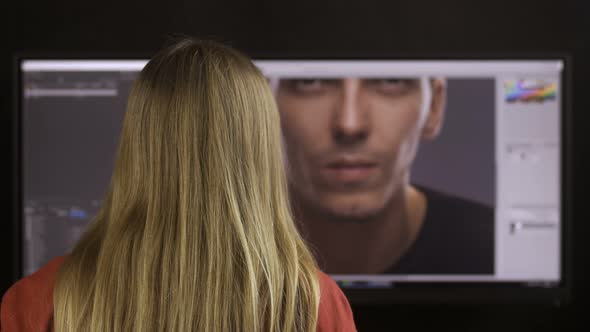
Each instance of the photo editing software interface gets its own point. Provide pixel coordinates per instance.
(478, 141)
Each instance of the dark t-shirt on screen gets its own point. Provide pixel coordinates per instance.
(457, 237)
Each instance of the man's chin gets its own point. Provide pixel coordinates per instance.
(351, 213)
(341, 208)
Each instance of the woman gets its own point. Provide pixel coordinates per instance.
(195, 233)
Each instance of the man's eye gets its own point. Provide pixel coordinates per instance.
(389, 85)
(389, 82)
(308, 84)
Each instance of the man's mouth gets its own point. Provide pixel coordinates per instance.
(349, 170)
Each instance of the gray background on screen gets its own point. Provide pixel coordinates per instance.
(460, 161)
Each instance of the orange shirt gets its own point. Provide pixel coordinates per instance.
(28, 304)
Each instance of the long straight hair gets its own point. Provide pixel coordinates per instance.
(195, 232)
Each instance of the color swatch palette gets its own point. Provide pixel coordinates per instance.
(529, 90)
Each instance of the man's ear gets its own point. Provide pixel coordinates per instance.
(436, 113)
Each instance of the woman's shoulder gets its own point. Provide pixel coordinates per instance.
(28, 304)
(334, 313)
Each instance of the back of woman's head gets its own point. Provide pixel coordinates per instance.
(195, 232)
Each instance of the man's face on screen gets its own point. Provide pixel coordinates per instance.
(350, 142)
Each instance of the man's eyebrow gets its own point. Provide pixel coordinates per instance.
(311, 78)
(408, 78)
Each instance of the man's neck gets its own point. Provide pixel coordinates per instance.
(366, 246)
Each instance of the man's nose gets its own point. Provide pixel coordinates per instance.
(351, 119)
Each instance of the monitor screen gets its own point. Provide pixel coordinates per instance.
(402, 173)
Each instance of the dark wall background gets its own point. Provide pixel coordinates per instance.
(338, 28)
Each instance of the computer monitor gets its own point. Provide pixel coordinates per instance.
(412, 179)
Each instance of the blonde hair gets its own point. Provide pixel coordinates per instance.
(196, 231)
